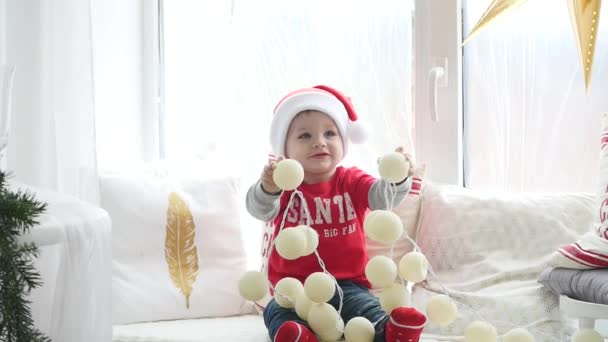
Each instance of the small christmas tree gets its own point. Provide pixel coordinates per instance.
(18, 213)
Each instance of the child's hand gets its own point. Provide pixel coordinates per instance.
(268, 184)
(409, 159)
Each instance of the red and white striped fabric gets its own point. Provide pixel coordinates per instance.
(416, 186)
(591, 250)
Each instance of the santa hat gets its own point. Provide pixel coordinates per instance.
(319, 98)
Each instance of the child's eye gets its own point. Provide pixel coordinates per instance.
(304, 136)
(330, 134)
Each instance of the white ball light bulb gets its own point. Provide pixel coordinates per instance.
(290, 243)
(332, 334)
(319, 287)
(384, 226)
(286, 292)
(368, 226)
(479, 331)
(393, 167)
(588, 335)
(441, 310)
(253, 286)
(359, 329)
(381, 271)
(413, 267)
(518, 335)
(312, 239)
(393, 297)
(288, 174)
(322, 317)
(303, 305)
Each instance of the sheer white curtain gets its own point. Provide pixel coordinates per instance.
(52, 139)
(52, 147)
(228, 63)
(529, 124)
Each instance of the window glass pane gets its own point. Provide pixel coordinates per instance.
(529, 123)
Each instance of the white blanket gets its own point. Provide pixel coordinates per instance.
(248, 328)
(488, 251)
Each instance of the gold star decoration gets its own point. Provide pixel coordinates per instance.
(585, 19)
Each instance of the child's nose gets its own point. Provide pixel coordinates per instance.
(319, 142)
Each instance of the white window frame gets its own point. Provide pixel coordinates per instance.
(437, 42)
(152, 80)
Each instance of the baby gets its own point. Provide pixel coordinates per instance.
(314, 126)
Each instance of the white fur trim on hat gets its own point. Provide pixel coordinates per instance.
(357, 132)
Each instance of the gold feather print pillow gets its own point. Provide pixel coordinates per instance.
(177, 247)
(180, 250)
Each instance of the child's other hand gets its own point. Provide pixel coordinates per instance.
(268, 184)
(409, 159)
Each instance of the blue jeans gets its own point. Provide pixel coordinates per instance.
(358, 301)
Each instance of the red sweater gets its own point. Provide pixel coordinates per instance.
(337, 209)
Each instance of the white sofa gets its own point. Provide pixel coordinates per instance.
(486, 251)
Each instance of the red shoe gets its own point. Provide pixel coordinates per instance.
(405, 325)
(291, 331)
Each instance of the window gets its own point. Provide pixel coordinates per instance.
(227, 63)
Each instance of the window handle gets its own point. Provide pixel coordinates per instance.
(435, 75)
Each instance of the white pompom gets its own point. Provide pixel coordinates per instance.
(441, 310)
(322, 317)
(357, 132)
(303, 305)
(479, 331)
(588, 335)
(393, 297)
(359, 329)
(518, 335)
(332, 334)
(312, 239)
(288, 174)
(319, 287)
(253, 286)
(393, 167)
(384, 226)
(413, 267)
(369, 226)
(381, 271)
(290, 243)
(286, 291)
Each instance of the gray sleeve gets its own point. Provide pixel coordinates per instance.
(380, 192)
(260, 204)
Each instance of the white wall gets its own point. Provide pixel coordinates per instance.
(118, 70)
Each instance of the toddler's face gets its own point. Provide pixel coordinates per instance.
(313, 139)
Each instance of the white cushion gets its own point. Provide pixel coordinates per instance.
(489, 249)
(142, 288)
